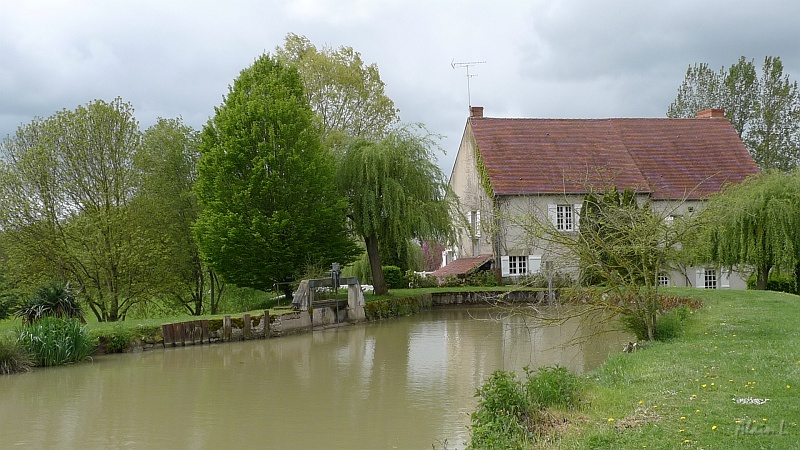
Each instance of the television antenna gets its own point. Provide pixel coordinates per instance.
(467, 65)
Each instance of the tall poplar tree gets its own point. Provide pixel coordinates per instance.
(346, 94)
(269, 205)
(764, 110)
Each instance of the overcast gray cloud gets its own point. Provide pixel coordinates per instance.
(543, 58)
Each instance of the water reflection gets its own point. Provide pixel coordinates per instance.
(404, 383)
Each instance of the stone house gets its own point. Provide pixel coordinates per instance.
(512, 166)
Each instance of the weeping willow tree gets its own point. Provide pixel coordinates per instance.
(396, 192)
(756, 223)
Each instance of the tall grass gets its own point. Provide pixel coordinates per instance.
(54, 341)
(512, 413)
(14, 357)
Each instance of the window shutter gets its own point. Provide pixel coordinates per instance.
(576, 218)
(700, 279)
(534, 263)
(552, 213)
(477, 224)
(504, 266)
(725, 278)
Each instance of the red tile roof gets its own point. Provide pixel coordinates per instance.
(462, 266)
(666, 158)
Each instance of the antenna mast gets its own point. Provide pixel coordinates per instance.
(467, 65)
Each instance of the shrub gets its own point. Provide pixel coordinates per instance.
(54, 341)
(237, 299)
(499, 419)
(55, 299)
(14, 357)
(540, 280)
(416, 280)
(482, 278)
(552, 386)
(669, 324)
(9, 303)
(451, 281)
(117, 340)
(775, 282)
(393, 276)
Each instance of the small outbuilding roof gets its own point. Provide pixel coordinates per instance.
(462, 266)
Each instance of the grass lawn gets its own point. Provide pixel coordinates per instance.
(732, 381)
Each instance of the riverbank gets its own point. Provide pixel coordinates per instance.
(729, 382)
(137, 335)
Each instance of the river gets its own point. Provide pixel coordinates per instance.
(406, 383)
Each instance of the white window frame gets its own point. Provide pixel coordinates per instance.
(515, 266)
(565, 217)
(707, 278)
(663, 279)
(474, 220)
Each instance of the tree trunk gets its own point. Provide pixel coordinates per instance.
(378, 283)
(761, 280)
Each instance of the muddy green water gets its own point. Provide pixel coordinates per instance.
(407, 383)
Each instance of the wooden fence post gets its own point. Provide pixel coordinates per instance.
(246, 326)
(166, 330)
(204, 336)
(266, 324)
(226, 328)
(177, 331)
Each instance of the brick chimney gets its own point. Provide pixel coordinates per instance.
(476, 112)
(711, 113)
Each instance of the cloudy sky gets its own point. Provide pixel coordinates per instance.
(543, 58)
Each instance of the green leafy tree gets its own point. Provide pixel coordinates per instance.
(350, 102)
(167, 162)
(396, 193)
(66, 185)
(764, 110)
(346, 94)
(269, 204)
(754, 224)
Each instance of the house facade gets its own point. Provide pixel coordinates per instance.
(508, 170)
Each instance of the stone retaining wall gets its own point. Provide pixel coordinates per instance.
(253, 327)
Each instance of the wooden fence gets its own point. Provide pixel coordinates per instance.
(206, 331)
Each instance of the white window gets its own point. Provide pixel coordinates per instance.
(513, 266)
(564, 217)
(710, 279)
(517, 265)
(706, 278)
(475, 223)
(663, 279)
